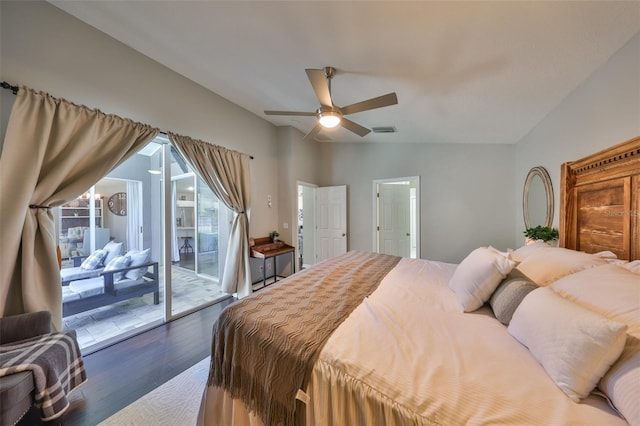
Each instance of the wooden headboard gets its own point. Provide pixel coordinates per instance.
(600, 202)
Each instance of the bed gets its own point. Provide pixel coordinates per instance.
(538, 335)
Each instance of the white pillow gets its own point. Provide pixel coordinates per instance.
(633, 266)
(606, 254)
(478, 275)
(113, 250)
(574, 345)
(614, 292)
(506, 254)
(545, 266)
(138, 257)
(610, 290)
(527, 250)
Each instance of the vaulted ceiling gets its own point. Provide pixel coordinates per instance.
(463, 71)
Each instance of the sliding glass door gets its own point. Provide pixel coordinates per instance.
(194, 242)
(116, 224)
(167, 221)
(207, 231)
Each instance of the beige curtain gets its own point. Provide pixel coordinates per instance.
(53, 151)
(226, 172)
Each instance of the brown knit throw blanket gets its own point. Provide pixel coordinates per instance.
(264, 346)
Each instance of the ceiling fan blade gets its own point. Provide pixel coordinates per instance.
(320, 85)
(373, 103)
(309, 114)
(312, 134)
(354, 127)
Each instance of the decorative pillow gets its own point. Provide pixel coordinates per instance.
(509, 295)
(548, 265)
(633, 266)
(478, 275)
(614, 292)
(113, 249)
(138, 257)
(606, 254)
(575, 345)
(94, 261)
(75, 233)
(620, 262)
(527, 250)
(610, 290)
(118, 262)
(506, 254)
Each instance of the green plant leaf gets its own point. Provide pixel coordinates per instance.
(543, 233)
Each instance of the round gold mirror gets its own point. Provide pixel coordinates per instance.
(537, 198)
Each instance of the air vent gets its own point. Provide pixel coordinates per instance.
(384, 129)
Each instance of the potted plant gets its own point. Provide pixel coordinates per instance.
(274, 236)
(540, 232)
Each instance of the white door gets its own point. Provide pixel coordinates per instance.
(394, 219)
(331, 221)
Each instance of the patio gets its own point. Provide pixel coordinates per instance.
(105, 325)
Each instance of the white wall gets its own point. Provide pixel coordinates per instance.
(298, 162)
(46, 49)
(603, 111)
(466, 192)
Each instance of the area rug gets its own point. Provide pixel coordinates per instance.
(174, 403)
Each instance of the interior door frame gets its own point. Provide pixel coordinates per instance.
(313, 186)
(374, 210)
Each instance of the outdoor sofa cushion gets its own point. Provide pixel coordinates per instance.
(83, 289)
(78, 273)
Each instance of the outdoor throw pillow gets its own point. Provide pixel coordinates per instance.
(113, 249)
(118, 262)
(94, 261)
(138, 258)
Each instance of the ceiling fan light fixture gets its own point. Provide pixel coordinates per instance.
(329, 119)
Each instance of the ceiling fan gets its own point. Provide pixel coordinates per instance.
(330, 115)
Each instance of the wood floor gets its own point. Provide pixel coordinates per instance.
(122, 373)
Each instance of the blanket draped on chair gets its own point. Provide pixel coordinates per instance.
(264, 346)
(56, 364)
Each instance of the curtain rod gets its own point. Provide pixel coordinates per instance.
(6, 85)
(14, 89)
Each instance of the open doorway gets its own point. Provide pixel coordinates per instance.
(183, 194)
(396, 212)
(306, 247)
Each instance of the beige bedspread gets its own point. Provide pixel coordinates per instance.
(408, 355)
(264, 347)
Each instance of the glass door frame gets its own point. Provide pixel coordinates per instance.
(168, 234)
(194, 178)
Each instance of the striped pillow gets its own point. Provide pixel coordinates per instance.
(118, 262)
(94, 261)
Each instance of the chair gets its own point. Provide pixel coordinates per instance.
(17, 390)
(103, 236)
(28, 347)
